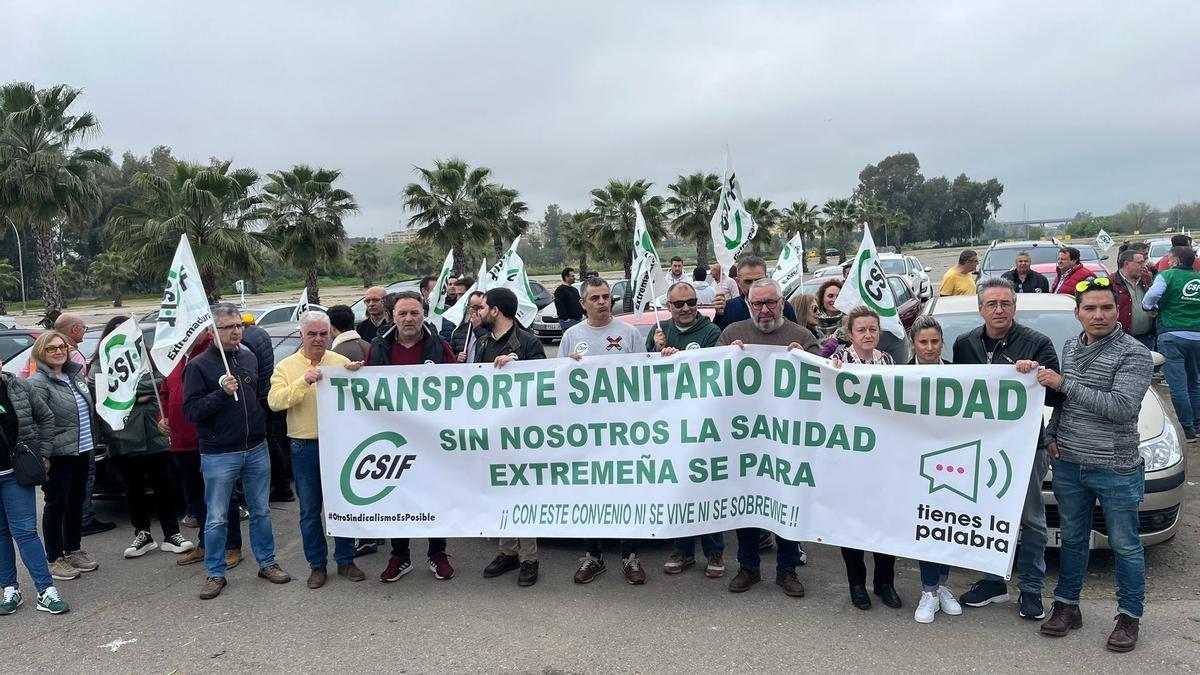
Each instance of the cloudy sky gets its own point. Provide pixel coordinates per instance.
(1073, 106)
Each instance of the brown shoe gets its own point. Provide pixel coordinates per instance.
(351, 572)
(634, 573)
(212, 588)
(790, 584)
(1125, 634)
(316, 578)
(193, 556)
(1063, 619)
(274, 574)
(743, 580)
(232, 557)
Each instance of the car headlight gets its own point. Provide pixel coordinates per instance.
(1163, 451)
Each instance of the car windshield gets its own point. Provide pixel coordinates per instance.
(894, 266)
(1159, 249)
(1059, 325)
(11, 345)
(1004, 259)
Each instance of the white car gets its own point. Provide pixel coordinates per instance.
(908, 266)
(1161, 437)
(834, 271)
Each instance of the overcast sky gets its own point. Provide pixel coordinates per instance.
(1074, 107)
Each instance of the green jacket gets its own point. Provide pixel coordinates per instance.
(704, 333)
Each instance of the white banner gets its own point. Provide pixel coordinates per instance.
(868, 285)
(437, 297)
(183, 314)
(731, 226)
(924, 462)
(790, 267)
(509, 272)
(644, 264)
(122, 363)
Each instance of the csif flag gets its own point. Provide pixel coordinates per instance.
(184, 312)
(437, 297)
(791, 263)
(456, 313)
(731, 226)
(644, 265)
(1103, 240)
(509, 272)
(868, 285)
(301, 305)
(123, 362)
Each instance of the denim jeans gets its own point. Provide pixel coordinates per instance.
(89, 511)
(787, 557)
(1077, 488)
(1031, 552)
(192, 482)
(306, 463)
(1182, 372)
(18, 522)
(711, 544)
(221, 471)
(933, 575)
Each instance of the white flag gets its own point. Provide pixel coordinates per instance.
(1103, 241)
(644, 265)
(456, 313)
(509, 272)
(122, 363)
(301, 305)
(240, 287)
(791, 263)
(731, 225)
(868, 285)
(1056, 242)
(437, 297)
(184, 312)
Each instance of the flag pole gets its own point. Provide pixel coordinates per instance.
(653, 296)
(153, 380)
(221, 350)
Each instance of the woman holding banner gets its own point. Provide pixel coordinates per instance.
(926, 335)
(140, 454)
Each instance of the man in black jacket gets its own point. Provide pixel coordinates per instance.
(230, 427)
(566, 301)
(1001, 340)
(731, 310)
(465, 339)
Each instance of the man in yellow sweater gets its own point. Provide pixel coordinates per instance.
(292, 390)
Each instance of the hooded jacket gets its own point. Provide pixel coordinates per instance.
(703, 333)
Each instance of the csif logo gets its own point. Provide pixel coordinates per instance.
(383, 463)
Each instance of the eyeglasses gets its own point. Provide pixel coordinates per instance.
(680, 304)
(236, 326)
(1092, 284)
(993, 305)
(769, 304)
(313, 333)
(54, 349)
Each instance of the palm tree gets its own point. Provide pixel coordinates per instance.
(71, 283)
(840, 217)
(764, 215)
(445, 209)
(803, 219)
(500, 212)
(210, 204)
(876, 215)
(45, 182)
(366, 259)
(111, 269)
(577, 237)
(899, 223)
(691, 205)
(613, 218)
(303, 212)
(10, 281)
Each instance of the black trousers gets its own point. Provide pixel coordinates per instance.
(62, 517)
(279, 449)
(856, 568)
(400, 547)
(595, 547)
(153, 471)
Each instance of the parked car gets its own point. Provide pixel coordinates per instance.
(545, 325)
(1001, 257)
(360, 306)
(7, 322)
(1161, 436)
(650, 319)
(831, 271)
(910, 267)
(1158, 249)
(14, 341)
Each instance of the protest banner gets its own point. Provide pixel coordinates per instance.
(924, 462)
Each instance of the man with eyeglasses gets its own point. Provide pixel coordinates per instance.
(1177, 305)
(1130, 287)
(731, 310)
(1001, 340)
(377, 314)
(688, 329)
(230, 426)
(292, 390)
(602, 335)
(465, 339)
(767, 326)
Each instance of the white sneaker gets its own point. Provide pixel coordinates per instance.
(142, 544)
(928, 608)
(948, 602)
(177, 544)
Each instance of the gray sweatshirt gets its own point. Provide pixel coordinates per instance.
(1103, 386)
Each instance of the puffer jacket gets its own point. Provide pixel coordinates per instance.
(57, 396)
(35, 421)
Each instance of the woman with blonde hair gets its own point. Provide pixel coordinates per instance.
(806, 308)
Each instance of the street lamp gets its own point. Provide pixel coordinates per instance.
(971, 220)
(20, 263)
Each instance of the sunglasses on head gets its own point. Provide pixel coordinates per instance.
(1092, 284)
(680, 304)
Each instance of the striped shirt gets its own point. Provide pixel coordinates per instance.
(85, 416)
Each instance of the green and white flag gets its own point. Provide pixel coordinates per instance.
(731, 225)
(184, 312)
(868, 285)
(123, 361)
(1057, 242)
(790, 267)
(301, 305)
(456, 313)
(1103, 241)
(644, 266)
(509, 272)
(437, 297)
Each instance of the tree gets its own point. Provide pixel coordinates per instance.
(71, 283)
(303, 212)
(444, 207)
(577, 238)
(502, 214)
(900, 224)
(803, 219)
(841, 215)
(613, 219)
(10, 281)
(45, 181)
(894, 181)
(691, 205)
(112, 270)
(210, 204)
(875, 214)
(1138, 216)
(366, 259)
(413, 258)
(1184, 215)
(765, 214)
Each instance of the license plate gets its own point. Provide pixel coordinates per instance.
(1054, 538)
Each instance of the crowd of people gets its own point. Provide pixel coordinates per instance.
(212, 432)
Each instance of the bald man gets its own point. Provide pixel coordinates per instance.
(377, 315)
(73, 327)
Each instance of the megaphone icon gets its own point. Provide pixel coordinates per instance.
(957, 469)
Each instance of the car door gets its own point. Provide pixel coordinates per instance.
(277, 315)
